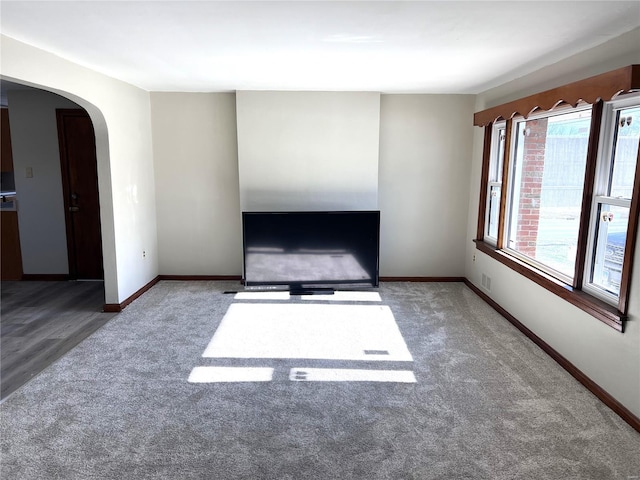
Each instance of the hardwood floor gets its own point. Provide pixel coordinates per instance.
(40, 322)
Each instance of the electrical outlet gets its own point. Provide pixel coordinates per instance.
(474, 258)
(144, 253)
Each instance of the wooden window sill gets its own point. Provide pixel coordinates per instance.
(593, 306)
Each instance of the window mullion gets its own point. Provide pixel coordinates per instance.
(587, 193)
(505, 182)
(618, 202)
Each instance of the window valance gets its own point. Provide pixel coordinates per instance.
(604, 86)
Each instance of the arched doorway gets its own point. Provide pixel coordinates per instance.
(46, 315)
(54, 178)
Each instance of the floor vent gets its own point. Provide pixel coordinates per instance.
(376, 352)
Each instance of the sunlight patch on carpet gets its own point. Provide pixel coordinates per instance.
(309, 331)
(230, 374)
(350, 375)
(340, 296)
(280, 295)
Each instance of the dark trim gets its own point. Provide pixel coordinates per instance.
(200, 277)
(604, 86)
(238, 278)
(46, 277)
(587, 192)
(484, 179)
(118, 307)
(421, 279)
(112, 308)
(597, 308)
(593, 387)
(506, 171)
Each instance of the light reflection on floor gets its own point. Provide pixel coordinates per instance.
(338, 296)
(350, 375)
(345, 337)
(280, 295)
(230, 374)
(308, 331)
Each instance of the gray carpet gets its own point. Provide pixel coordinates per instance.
(488, 404)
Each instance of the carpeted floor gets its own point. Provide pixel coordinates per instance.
(488, 404)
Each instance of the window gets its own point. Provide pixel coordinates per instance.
(612, 199)
(545, 190)
(495, 183)
(560, 187)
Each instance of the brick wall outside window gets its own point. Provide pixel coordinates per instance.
(530, 186)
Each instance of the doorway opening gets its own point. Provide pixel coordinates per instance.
(54, 179)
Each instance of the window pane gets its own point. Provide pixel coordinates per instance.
(498, 157)
(611, 236)
(626, 152)
(547, 186)
(495, 180)
(494, 210)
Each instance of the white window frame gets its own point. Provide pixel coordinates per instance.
(494, 166)
(601, 183)
(511, 189)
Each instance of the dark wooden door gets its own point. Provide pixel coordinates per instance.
(6, 152)
(80, 188)
(10, 256)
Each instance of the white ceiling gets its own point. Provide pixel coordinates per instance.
(206, 46)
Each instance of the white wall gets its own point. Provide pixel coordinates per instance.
(196, 172)
(423, 161)
(609, 358)
(308, 150)
(34, 138)
(121, 118)
(425, 150)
